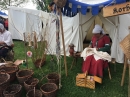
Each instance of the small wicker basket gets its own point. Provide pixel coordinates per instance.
(53, 78)
(49, 89)
(34, 93)
(87, 81)
(13, 90)
(4, 82)
(23, 75)
(11, 70)
(30, 83)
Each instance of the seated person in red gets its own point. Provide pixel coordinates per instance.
(5, 41)
(101, 42)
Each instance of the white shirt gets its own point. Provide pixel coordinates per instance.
(6, 37)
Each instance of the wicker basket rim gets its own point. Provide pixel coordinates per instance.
(50, 91)
(24, 76)
(31, 85)
(12, 70)
(8, 77)
(52, 74)
(12, 85)
(33, 90)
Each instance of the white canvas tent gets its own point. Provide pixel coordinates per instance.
(75, 29)
(26, 21)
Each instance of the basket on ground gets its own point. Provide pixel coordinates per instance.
(87, 81)
(30, 83)
(53, 78)
(23, 75)
(34, 93)
(4, 82)
(49, 89)
(11, 70)
(13, 90)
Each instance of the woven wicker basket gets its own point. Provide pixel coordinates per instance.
(53, 78)
(87, 81)
(13, 90)
(23, 75)
(60, 3)
(49, 89)
(4, 82)
(39, 63)
(30, 93)
(11, 70)
(125, 45)
(30, 83)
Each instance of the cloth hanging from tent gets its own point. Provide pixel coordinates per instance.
(83, 5)
(57, 37)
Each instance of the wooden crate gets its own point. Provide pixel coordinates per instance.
(87, 81)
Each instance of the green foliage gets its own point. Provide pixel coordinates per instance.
(5, 3)
(42, 4)
(109, 88)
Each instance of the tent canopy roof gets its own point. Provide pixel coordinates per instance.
(83, 5)
(4, 15)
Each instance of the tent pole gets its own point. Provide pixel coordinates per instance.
(63, 42)
(26, 59)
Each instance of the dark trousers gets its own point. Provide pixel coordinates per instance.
(3, 51)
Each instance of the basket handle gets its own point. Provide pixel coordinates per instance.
(3, 60)
(85, 79)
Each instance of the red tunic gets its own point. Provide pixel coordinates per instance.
(92, 66)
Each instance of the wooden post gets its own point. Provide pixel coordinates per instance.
(61, 25)
(124, 70)
(129, 82)
(25, 49)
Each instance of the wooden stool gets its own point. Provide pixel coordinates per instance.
(75, 58)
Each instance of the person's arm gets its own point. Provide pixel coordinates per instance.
(8, 39)
(106, 48)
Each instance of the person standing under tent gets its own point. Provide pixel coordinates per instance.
(6, 41)
(101, 42)
(6, 24)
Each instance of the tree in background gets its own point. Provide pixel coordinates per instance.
(42, 4)
(5, 3)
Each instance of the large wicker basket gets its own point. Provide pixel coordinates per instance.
(49, 89)
(53, 78)
(4, 82)
(60, 3)
(30, 83)
(11, 70)
(23, 75)
(125, 45)
(34, 93)
(13, 90)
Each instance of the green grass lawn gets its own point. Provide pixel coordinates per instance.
(108, 88)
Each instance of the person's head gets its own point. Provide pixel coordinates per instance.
(51, 6)
(97, 31)
(2, 29)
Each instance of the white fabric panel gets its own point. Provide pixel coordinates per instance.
(123, 31)
(71, 33)
(17, 24)
(85, 23)
(26, 21)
